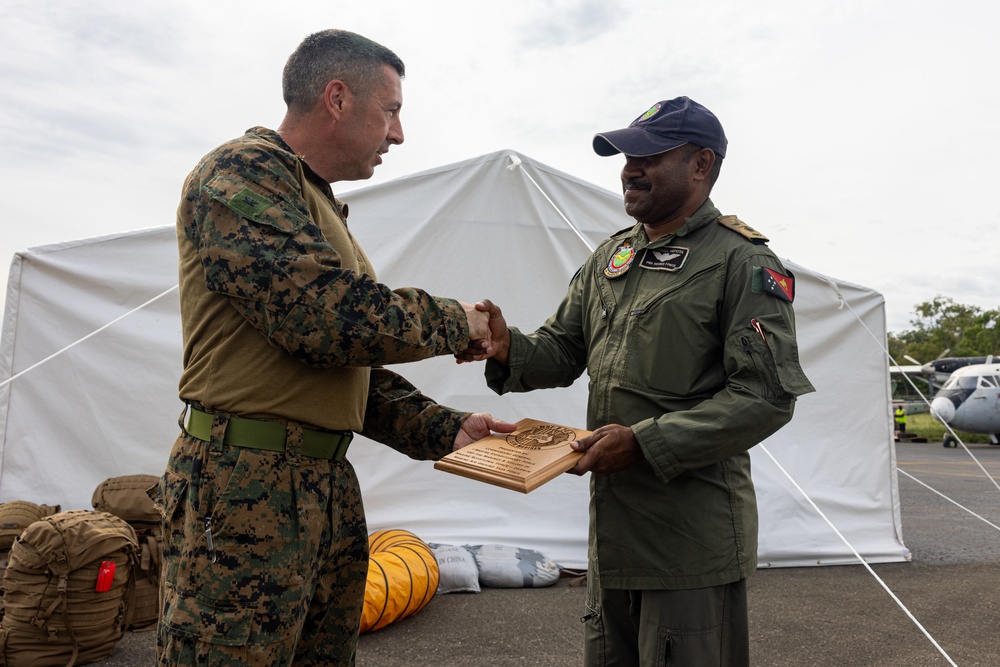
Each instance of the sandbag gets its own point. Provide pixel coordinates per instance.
(402, 578)
(15, 516)
(126, 498)
(458, 572)
(503, 566)
(66, 590)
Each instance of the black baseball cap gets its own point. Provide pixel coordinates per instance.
(664, 127)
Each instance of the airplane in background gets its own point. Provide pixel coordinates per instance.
(899, 374)
(936, 372)
(943, 367)
(970, 401)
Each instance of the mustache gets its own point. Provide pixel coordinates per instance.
(636, 184)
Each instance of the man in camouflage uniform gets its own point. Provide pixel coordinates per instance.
(285, 333)
(684, 324)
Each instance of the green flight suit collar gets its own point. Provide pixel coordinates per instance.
(636, 234)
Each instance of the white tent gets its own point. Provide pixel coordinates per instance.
(500, 226)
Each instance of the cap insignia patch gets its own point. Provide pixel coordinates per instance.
(621, 261)
(650, 113)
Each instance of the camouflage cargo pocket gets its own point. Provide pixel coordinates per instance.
(191, 616)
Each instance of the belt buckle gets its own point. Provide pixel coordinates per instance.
(345, 441)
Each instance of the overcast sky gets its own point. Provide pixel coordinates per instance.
(863, 134)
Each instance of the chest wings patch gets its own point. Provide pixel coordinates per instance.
(769, 281)
(668, 258)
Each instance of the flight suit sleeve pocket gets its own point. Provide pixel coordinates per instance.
(755, 365)
(193, 617)
(767, 361)
(780, 339)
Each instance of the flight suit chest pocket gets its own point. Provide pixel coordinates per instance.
(672, 343)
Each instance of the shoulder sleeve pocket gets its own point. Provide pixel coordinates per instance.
(779, 344)
(246, 229)
(257, 204)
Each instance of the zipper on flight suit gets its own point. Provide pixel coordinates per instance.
(762, 363)
(749, 351)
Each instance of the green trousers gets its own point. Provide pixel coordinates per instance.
(699, 627)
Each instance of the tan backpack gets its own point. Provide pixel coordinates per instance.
(15, 516)
(126, 498)
(66, 590)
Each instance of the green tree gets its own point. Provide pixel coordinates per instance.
(943, 327)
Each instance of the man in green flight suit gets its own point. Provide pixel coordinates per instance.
(286, 331)
(684, 324)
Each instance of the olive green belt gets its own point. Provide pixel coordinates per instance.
(259, 434)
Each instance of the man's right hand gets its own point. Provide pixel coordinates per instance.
(498, 347)
(479, 324)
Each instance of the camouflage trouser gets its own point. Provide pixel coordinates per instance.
(282, 581)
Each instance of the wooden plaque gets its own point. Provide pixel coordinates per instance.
(521, 461)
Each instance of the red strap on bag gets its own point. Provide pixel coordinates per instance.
(105, 576)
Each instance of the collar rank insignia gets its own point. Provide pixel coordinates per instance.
(769, 281)
(621, 261)
(670, 258)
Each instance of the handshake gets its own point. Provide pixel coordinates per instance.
(489, 337)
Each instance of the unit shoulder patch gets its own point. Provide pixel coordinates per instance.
(732, 223)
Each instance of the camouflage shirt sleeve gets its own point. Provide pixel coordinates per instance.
(244, 211)
(398, 415)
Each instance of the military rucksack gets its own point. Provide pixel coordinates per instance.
(15, 516)
(126, 498)
(66, 590)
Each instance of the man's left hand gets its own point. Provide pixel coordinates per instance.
(609, 449)
(479, 425)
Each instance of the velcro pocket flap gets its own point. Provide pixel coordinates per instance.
(257, 204)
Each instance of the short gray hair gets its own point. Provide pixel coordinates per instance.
(333, 54)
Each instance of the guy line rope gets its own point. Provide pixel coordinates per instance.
(88, 336)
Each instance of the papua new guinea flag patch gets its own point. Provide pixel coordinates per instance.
(771, 282)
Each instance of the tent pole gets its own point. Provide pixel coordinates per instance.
(515, 163)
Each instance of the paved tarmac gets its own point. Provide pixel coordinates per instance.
(799, 617)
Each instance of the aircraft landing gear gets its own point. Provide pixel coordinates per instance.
(949, 442)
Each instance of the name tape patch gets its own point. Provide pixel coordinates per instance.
(669, 258)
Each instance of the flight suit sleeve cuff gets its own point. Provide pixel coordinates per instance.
(503, 379)
(656, 450)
